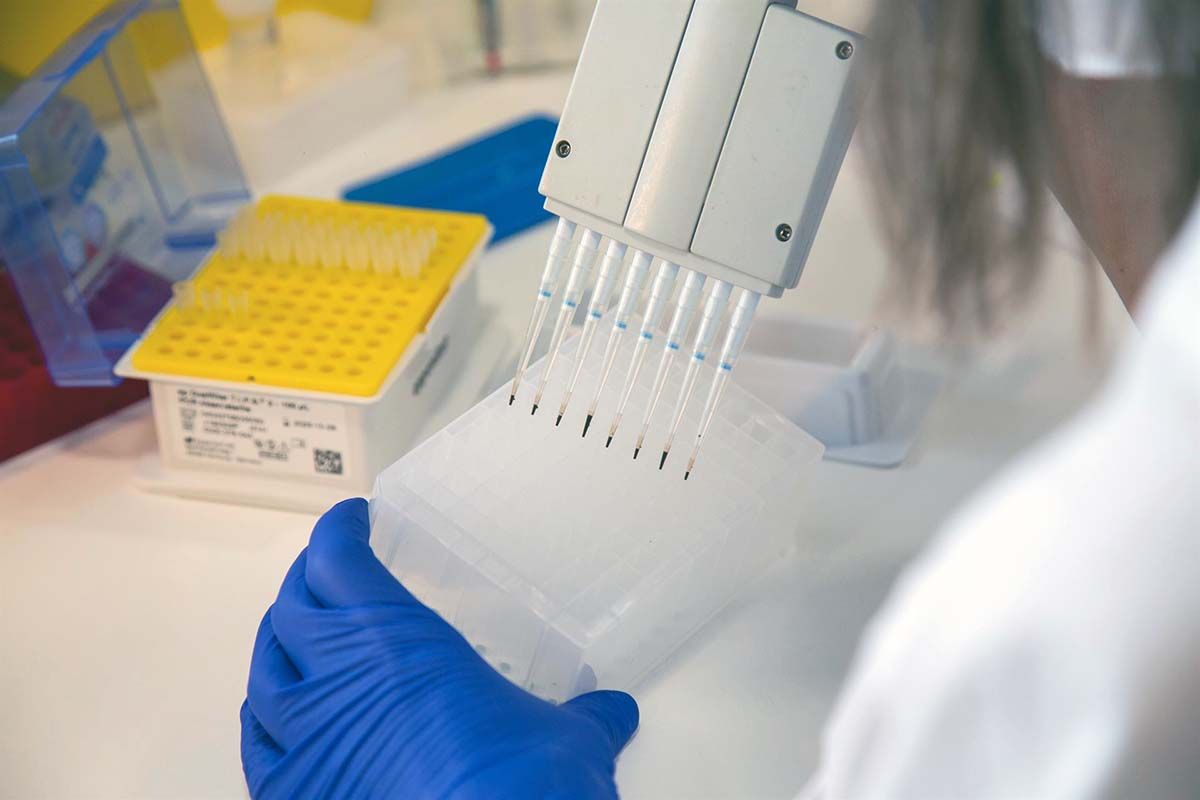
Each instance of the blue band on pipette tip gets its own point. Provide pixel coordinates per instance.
(596, 314)
(698, 356)
(725, 365)
(545, 294)
(647, 335)
(622, 325)
(672, 345)
(570, 303)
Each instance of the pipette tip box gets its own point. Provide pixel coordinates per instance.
(309, 350)
(569, 565)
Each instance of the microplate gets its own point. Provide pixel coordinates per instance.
(569, 565)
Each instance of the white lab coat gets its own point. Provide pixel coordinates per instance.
(1048, 644)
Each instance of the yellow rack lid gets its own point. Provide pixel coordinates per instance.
(319, 295)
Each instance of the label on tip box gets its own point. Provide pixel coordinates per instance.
(288, 436)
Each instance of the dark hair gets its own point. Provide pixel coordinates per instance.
(959, 107)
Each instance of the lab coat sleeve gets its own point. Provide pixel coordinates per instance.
(959, 691)
(1046, 645)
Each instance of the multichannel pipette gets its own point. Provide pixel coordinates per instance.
(604, 283)
(708, 173)
(660, 292)
(739, 327)
(559, 247)
(581, 270)
(718, 297)
(634, 278)
(685, 306)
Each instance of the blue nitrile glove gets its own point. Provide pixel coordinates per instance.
(358, 690)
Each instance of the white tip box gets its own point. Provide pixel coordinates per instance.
(304, 450)
(569, 565)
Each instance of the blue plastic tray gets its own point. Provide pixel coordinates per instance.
(495, 175)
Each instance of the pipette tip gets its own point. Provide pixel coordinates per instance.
(587, 423)
(512, 398)
(662, 460)
(606, 444)
(531, 413)
(685, 475)
(558, 420)
(636, 450)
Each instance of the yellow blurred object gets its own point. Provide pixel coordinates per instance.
(161, 38)
(309, 294)
(352, 10)
(30, 30)
(209, 26)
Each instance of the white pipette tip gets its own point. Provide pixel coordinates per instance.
(612, 430)
(559, 247)
(562, 409)
(691, 465)
(666, 449)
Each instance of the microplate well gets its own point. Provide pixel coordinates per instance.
(570, 565)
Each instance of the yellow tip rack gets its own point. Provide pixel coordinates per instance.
(311, 294)
(312, 349)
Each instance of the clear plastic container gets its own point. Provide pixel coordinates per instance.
(115, 173)
(855, 388)
(570, 565)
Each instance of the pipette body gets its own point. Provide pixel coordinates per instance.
(635, 277)
(610, 267)
(560, 246)
(660, 292)
(581, 270)
(735, 339)
(714, 307)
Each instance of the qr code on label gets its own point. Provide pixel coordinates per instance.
(327, 462)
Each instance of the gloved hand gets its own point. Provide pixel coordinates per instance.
(358, 690)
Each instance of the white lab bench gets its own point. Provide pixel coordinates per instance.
(126, 619)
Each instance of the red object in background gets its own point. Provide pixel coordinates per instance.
(33, 410)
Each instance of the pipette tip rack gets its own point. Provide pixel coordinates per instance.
(311, 294)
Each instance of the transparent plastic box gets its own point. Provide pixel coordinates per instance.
(569, 565)
(116, 172)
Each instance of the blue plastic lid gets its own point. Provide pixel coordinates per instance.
(496, 175)
(116, 172)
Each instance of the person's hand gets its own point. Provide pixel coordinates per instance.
(358, 690)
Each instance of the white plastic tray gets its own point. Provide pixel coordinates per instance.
(569, 565)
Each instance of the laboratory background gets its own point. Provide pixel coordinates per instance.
(626, 421)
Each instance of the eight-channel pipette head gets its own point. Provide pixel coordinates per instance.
(685, 307)
(735, 339)
(635, 276)
(609, 269)
(686, 304)
(718, 297)
(559, 247)
(660, 292)
(581, 270)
